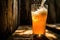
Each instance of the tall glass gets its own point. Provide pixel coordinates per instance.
(39, 17)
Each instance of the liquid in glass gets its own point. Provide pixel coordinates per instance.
(39, 21)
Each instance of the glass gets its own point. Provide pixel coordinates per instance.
(39, 16)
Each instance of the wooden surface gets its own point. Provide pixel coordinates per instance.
(18, 33)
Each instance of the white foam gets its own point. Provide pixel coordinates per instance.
(39, 10)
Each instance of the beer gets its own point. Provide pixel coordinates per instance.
(39, 21)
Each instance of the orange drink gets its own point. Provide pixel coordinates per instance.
(39, 21)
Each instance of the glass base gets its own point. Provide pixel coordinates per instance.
(39, 37)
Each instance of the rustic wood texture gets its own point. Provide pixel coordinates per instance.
(8, 17)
